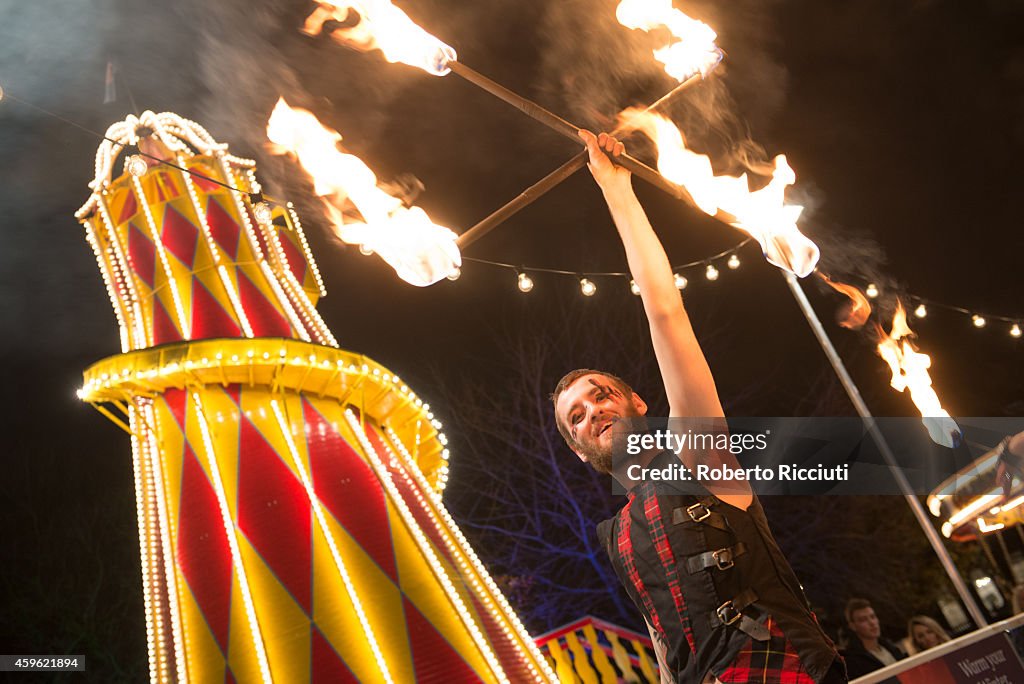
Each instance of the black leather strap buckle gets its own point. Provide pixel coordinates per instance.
(698, 511)
(723, 558)
(728, 613)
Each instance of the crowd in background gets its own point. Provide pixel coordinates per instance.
(865, 649)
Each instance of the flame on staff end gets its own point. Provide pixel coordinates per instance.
(859, 308)
(421, 252)
(377, 24)
(763, 214)
(694, 50)
(910, 370)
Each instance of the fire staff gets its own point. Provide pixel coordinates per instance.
(718, 596)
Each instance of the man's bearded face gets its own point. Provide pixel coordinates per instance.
(588, 408)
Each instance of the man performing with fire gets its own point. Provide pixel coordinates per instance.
(718, 596)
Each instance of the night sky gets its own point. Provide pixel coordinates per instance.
(904, 122)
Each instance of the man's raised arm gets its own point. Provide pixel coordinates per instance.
(684, 370)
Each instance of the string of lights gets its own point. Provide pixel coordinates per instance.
(922, 306)
(588, 288)
(136, 165)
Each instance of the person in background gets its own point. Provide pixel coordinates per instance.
(924, 633)
(1017, 633)
(1017, 600)
(1011, 462)
(867, 650)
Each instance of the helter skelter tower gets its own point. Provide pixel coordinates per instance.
(288, 492)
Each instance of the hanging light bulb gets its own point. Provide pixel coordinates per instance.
(1, 92)
(979, 321)
(525, 282)
(871, 290)
(135, 164)
(921, 311)
(454, 274)
(733, 262)
(587, 287)
(365, 251)
(1015, 330)
(711, 273)
(263, 213)
(680, 281)
(633, 287)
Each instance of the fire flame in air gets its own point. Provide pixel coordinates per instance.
(860, 308)
(421, 252)
(694, 50)
(910, 370)
(377, 24)
(763, 213)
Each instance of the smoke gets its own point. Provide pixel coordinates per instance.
(598, 67)
(857, 259)
(591, 67)
(248, 56)
(36, 48)
(243, 66)
(48, 52)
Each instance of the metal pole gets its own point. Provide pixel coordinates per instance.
(550, 181)
(987, 548)
(862, 409)
(1007, 565)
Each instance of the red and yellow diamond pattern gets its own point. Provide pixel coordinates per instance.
(306, 613)
(193, 263)
(290, 522)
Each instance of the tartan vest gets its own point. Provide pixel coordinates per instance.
(712, 582)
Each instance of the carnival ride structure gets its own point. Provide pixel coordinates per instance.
(288, 492)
